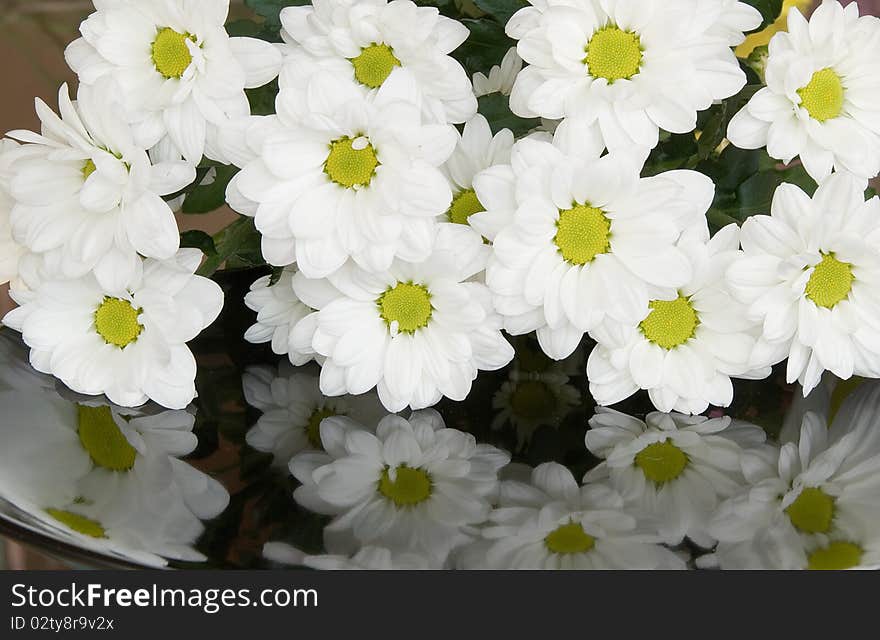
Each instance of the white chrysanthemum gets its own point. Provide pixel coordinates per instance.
(363, 42)
(416, 332)
(582, 239)
(673, 468)
(129, 345)
(500, 78)
(177, 70)
(811, 504)
(414, 486)
(10, 250)
(477, 150)
(629, 68)
(821, 102)
(87, 196)
(280, 316)
(293, 408)
(340, 175)
(687, 348)
(104, 479)
(553, 523)
(726, 19)
(810, 273)
(366, 559)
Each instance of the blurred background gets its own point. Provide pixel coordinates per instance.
(33, 35)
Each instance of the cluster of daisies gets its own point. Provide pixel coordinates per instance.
(670, 491)
(408, 236)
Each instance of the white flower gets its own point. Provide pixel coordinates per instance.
(293, 409)
(366, 559)
(583, 238)
(280, 314)
(10, 250)
(810, 273)
(501, 78)
(730, 19)
(552, 523)
(87, 196)
(363, 42)
(626, 67)
(414, 486)
(176, 68)
(477, 150)
(687, 348)
(416, 332)
(673, 468)
(129, 345)
(104, 479)
(813, 503)
(821, 102)
(341, 175)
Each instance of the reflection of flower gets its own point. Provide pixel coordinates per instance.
(414, 486)
(104, 479)
(673, 467)
(293, 409)
(810, 504)
(366, 558)
(552, 523)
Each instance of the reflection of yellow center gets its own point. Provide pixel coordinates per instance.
(837, 556)
(410, 486)
(823, 96)
(116, 321)
(583, 232)
(532, 400)
(313, 428)
(670, 323)
(349, 166)
(812, 511)
(101, 437)
(830, 282)
(375, 63)
(464, 205)
(171, 56)
(88, 168)
(661, 461)
(570, 538)
(78, 523)
(614, 54)
(407, 304)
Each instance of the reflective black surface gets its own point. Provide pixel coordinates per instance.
(210, 487)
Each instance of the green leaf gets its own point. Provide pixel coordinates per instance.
(238, 245)
(210, 197)
(770, 10)
(198, 240)
(501, 10)
(485, 47)
(496, 108)
(271, 9)
(262, 99)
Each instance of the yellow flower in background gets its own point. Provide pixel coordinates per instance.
(763, 37)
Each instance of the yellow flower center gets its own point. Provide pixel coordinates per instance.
(407, 304)
(171, 56)
(532, 400)
(837, 556)
(373, 66)
(88, 168)
(101, 437)
(313, 428)
(583, 232)
(409, 487)
(812, 511)
(614, 54)
(831, 281)
(78, 523)
(823, 96)
(117, 322)
(661, 462)
(670, 323)
(351, 163)
(464, 205)
(570, 538)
